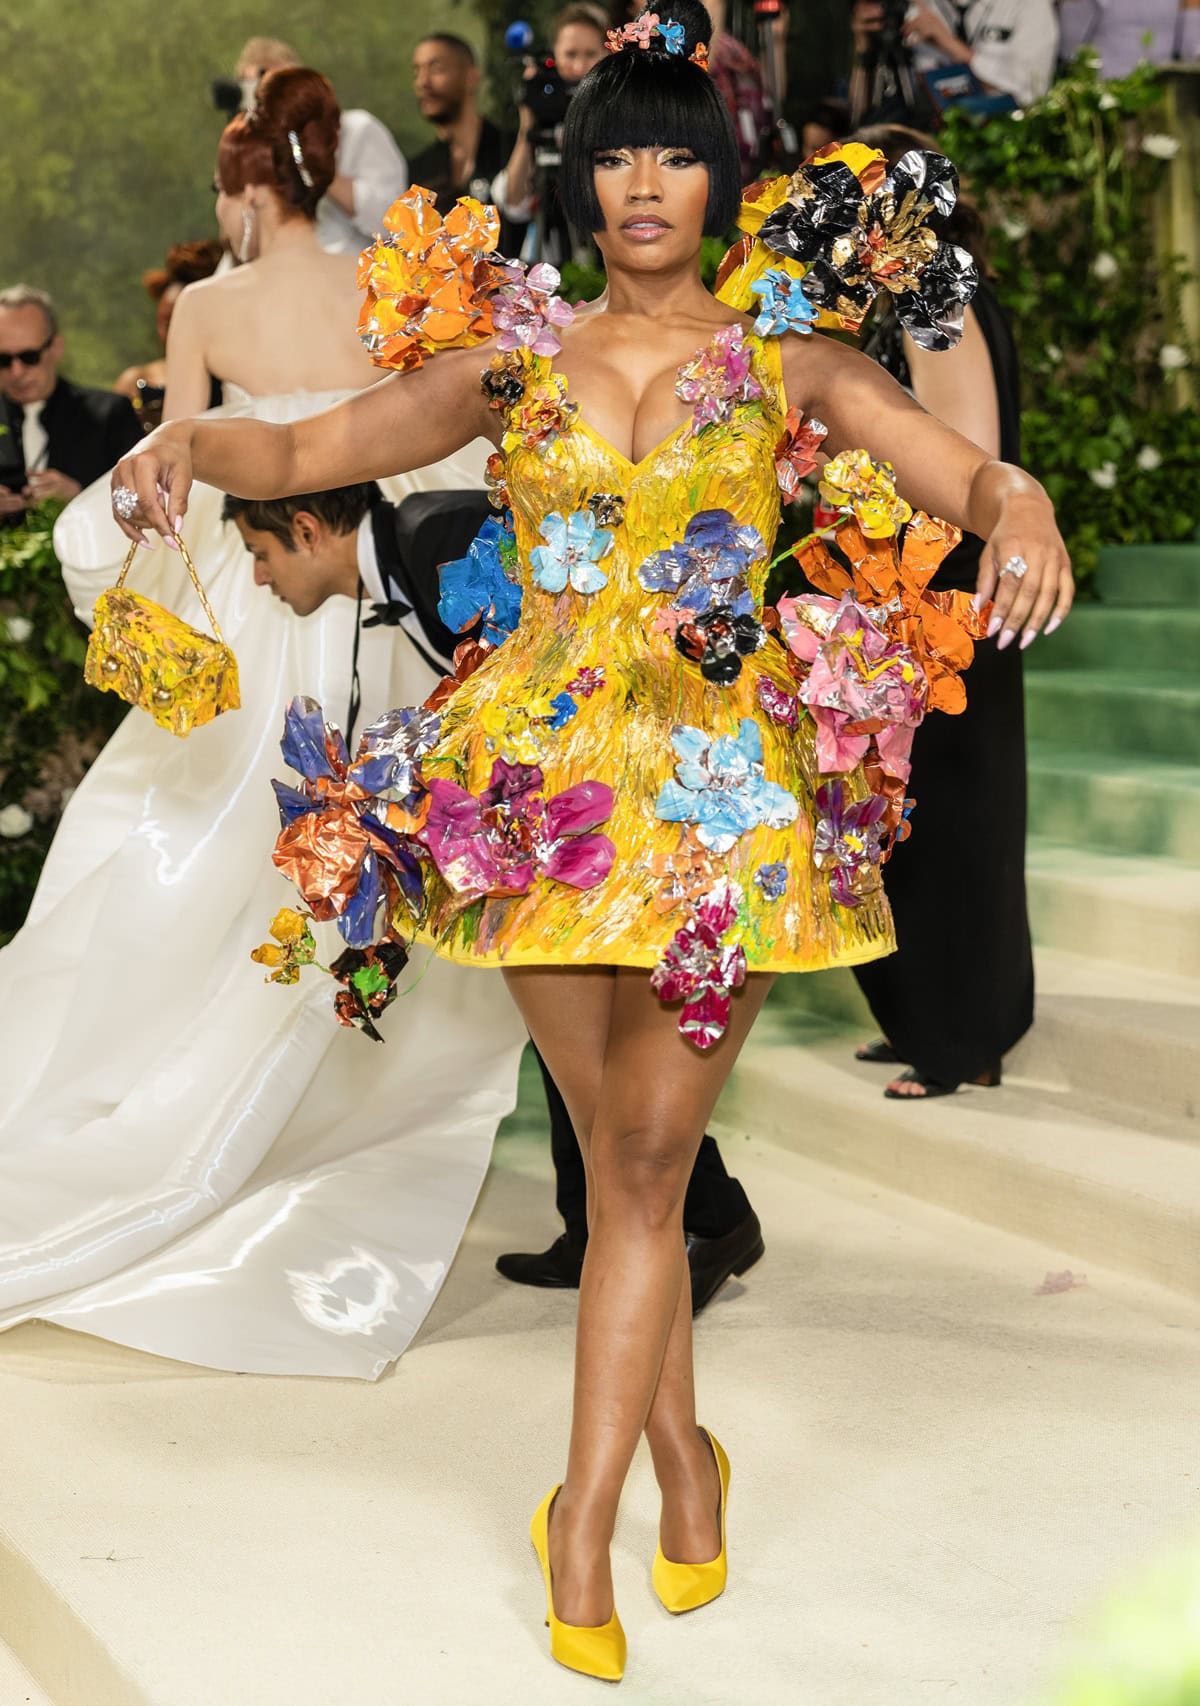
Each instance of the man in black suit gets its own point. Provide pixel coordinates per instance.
(470, 151)
(306, 549)
(57, 436)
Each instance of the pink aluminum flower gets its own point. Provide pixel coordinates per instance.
(504, 841)
(860, 683)
(525, 310)
(701, 969)
(718, 379)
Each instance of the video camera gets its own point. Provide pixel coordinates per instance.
(540, 88)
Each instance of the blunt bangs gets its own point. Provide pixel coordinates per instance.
(642, 99)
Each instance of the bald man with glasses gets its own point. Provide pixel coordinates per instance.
(55, 436)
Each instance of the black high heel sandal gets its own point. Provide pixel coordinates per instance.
(930, 1087)
(878, 1053)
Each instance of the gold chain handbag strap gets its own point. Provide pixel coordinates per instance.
(191, 569)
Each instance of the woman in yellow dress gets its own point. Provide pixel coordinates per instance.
(631, 804)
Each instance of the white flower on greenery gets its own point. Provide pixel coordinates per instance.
(18, 629)
(1053, 353)
(1016, 115)
(1148, 459)
(1171, 358)
(1015, 229)
(1160, 146)
(15, 821)
(1106, 266)
(1105, 476)
(1108, 101)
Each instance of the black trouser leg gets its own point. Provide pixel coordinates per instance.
(714, 1204)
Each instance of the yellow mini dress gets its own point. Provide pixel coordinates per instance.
(592, 689)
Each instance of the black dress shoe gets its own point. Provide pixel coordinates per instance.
(713, 1260)
(559, 1266)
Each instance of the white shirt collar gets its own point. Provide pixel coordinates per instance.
(368, 563)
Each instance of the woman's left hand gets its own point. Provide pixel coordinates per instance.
(1026, 570)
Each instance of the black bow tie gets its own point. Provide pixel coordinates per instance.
(388, 615)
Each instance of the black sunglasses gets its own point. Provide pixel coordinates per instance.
(27, 357)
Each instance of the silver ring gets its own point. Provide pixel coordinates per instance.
(125, 502)
(1016, 566)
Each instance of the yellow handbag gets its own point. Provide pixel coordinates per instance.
(155, 660)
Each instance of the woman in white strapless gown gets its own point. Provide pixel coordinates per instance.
(194, 1162)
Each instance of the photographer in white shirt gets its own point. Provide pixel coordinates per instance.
(1010, 45)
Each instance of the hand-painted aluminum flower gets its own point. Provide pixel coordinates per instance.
(502, 842)
(701, 968)
(390, 748)
(718, 641)
(687, 874)
(587, 681)
(771, 881)
(796, 453)
(574, 545)
(781, 707)
(784, 306)
(526, 312)
(517, 733)
(468, 656)
(718, 379)
(369, 975)
(857, 242)
(860, 683)
(496, 481)
(608, 508)
(846, 842)
(477, 587)
(721, 786)
(504, 379)
(702, 568)
(294, 946)
(342, 857)
(852, 482)
(636, 33)
(541, 417)
(428, 281)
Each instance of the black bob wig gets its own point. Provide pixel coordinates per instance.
(643, 97)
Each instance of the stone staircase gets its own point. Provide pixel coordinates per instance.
(1091, 1143)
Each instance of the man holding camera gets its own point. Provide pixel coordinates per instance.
(55, 437)
(1010, 46)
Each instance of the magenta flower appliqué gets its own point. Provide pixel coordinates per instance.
(502, 842)
(526, 312)
(701, 968)
(718, 379)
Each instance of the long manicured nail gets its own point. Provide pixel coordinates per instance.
(173, 543)
(1028, 637)
(1052, 624)
(994, 626)
(145, 544)
(1006, 639)
(978, 602)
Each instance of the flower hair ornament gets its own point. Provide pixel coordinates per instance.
(664, 33)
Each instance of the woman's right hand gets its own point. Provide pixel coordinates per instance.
(159, 472)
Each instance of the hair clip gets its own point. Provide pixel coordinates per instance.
(298, 156)
(699, 55)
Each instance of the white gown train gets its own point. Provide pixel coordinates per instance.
(193, 1162)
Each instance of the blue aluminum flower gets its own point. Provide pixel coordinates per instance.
(574, 544)
(772, 881)
(671, 34)
(706, 566)
(564, 708)
(721, 787)
(785, 308)
(476, 586)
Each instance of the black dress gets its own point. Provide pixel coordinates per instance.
(958, 993)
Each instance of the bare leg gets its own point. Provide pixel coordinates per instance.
(655, 1096)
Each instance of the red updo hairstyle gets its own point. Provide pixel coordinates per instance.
(255, 147)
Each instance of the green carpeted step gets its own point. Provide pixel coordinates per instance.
(1155, 715)
(1149, 574)
(1098, 636)
(1114, 802)
(1137, 911)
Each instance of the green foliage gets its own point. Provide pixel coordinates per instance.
(1069, 190)
(1144, 1647)
(110, 137)
(52, 724)
(584, 284)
